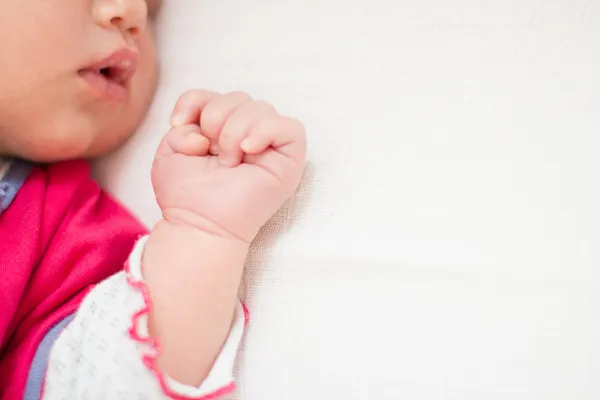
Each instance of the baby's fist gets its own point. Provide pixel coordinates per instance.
(228, 163)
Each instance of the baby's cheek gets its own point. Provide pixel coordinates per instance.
(147, 74)
(145, 80)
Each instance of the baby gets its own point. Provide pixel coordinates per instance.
(91, 305)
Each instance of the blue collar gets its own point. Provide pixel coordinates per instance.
(13, 173)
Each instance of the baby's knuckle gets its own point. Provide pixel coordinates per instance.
(191, 93)
(237, 94)
(262, 125)
(293, 124)
(227, 137)
(264, 105)
(212, 118)
(196, 95)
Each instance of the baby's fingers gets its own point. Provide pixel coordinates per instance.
(186, 140)
(285, 135)
(217, 113)
(189, 107)
(236, 129)
(277, 145)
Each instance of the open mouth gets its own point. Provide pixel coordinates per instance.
(110, 76)
(116, 74)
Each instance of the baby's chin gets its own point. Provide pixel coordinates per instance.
(70, 146)
(80, 136)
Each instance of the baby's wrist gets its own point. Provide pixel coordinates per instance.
(177, 217)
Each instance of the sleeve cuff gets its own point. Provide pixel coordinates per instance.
(220, 380)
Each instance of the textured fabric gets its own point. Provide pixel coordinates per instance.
(96, 357)
(60, 236)
(39, 365)
(445, 244)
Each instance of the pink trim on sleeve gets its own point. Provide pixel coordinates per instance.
(149, 360)
(246, 314)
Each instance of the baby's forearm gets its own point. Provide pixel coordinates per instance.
(193, 278)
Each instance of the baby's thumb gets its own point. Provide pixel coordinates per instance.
(186, 140)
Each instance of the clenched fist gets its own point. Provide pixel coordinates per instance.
(227, 164)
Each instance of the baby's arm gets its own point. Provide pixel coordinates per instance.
(225, 168)
(194, 279)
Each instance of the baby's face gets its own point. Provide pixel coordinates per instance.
(77, 76)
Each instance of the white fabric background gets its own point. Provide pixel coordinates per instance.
(445, 244)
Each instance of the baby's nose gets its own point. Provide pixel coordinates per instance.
(129, 16)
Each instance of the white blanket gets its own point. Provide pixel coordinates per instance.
(446, 241)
